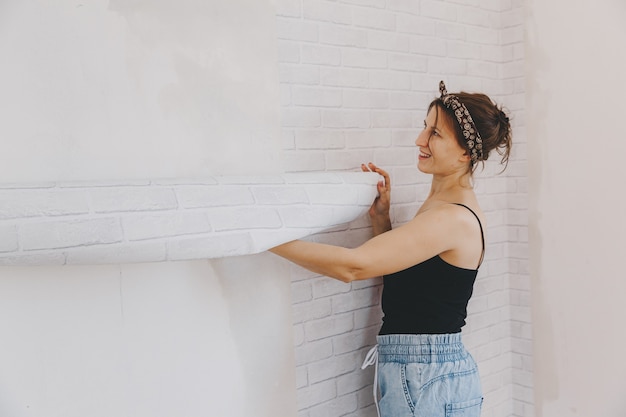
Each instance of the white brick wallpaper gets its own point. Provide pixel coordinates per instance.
(356, 78)
(74, 223)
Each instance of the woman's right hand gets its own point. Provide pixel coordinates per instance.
(379, 211)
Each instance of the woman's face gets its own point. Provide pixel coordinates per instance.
(439, 151)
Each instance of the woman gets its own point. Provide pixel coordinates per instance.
(429, 264)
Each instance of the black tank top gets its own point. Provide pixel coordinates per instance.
(430, 297)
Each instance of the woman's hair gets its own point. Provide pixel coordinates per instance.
(491, 122)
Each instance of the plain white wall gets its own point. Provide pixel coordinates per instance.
(118, 90)
(137, 89)
(577, 144)
(204, 338)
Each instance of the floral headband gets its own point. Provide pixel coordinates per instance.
(468, 128)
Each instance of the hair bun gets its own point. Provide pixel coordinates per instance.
(503, 117)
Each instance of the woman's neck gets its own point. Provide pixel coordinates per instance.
(443, 185)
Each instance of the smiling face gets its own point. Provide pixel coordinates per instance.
(440, 152)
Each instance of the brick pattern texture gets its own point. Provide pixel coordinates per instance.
(170, 220)
(356, 77)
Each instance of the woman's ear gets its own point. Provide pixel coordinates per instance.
(465, 157)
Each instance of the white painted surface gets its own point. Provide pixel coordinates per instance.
(576, 90)
(130, 90)
(177, 338)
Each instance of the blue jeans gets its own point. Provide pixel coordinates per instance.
(427, 375)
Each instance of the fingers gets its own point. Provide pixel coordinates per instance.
(385, 176)
(370, 167)
(374, 168)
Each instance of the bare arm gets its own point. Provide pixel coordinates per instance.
(430, 233)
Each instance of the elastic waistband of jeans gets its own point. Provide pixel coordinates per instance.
(421, 348)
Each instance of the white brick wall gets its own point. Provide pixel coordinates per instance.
(359, 75)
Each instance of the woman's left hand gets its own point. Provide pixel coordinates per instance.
(379, 211)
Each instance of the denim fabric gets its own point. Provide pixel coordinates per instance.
(427, 376)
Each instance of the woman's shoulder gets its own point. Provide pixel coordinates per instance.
(450, 204)
(463, 212)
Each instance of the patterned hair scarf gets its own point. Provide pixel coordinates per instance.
(468, 128)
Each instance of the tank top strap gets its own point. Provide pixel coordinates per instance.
(482, 234)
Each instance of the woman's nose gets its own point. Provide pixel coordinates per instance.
(422, 139)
